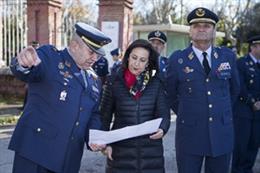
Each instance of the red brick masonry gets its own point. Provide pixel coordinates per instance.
(9, 85)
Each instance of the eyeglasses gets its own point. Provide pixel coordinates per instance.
(91, 52)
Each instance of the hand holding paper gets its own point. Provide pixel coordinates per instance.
(107, 137)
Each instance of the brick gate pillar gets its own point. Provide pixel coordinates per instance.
(44, 21)
(116, 20)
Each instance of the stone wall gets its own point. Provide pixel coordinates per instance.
(9, 85)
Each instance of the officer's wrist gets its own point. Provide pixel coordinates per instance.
(23, 69)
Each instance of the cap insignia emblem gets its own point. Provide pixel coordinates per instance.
(157, 34)
(200, 12)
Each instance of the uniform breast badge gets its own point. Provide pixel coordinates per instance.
(68, 64)
(224, 71)
(251, 69)
(61, 66)
(188, 70)
(190, 56)
(95, 89)
(67, 75)
(63, 95)
(180, 60)
(224, 66)
(215, 55)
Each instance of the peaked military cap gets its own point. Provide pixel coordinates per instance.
(254, 40)
(202, 14)
(94, 38)
(115, 52)
(157, 35)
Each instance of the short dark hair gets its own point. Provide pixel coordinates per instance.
(153, 55)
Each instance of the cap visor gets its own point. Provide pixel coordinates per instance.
(99, 51)
(156, 38)
(202, 20)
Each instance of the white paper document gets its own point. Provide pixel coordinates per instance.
(107, 137)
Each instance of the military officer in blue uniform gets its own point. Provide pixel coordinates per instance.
(117, 57)
(62, 105)
(247, 110)
(202, 85)
(101, 68)
(158, 40)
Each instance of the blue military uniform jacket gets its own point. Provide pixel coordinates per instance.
(250, 93)
(163, 63)
(116, 66)
(203, 104)
(101, 67)
(59, 111)
(250, 88)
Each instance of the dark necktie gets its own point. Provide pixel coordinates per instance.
(83, 73)
(205, 63)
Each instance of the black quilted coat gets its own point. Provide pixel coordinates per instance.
(140, 154)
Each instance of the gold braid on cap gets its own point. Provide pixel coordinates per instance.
(90, 42)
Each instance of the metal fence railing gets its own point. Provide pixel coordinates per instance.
(14, 28)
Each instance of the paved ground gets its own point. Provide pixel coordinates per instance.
(94, 162)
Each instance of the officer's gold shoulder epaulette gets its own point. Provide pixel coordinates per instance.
(92, 73)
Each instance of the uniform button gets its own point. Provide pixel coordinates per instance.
(38, 129)
(72, 138)
(210, 105)
(65, 83)
(241, 98)
(210, 119)
(209, 93)
(187, 80)
(77, 123)
(182, 121)
(207, 80)
(81, 108)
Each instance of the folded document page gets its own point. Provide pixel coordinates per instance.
(107, 137)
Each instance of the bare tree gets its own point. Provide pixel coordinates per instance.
(74, 11)
(155, 11)
(230, 13)
(249, 26)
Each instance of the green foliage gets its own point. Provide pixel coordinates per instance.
(8, 120)
(10, 101)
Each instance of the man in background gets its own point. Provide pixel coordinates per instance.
(158, 40)
(117, 57)
(202, 85)
(247, 110)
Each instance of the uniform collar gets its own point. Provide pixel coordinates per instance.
(198, 52)
(199, 55)
(253, 58)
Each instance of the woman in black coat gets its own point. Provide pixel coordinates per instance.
(132, 96)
